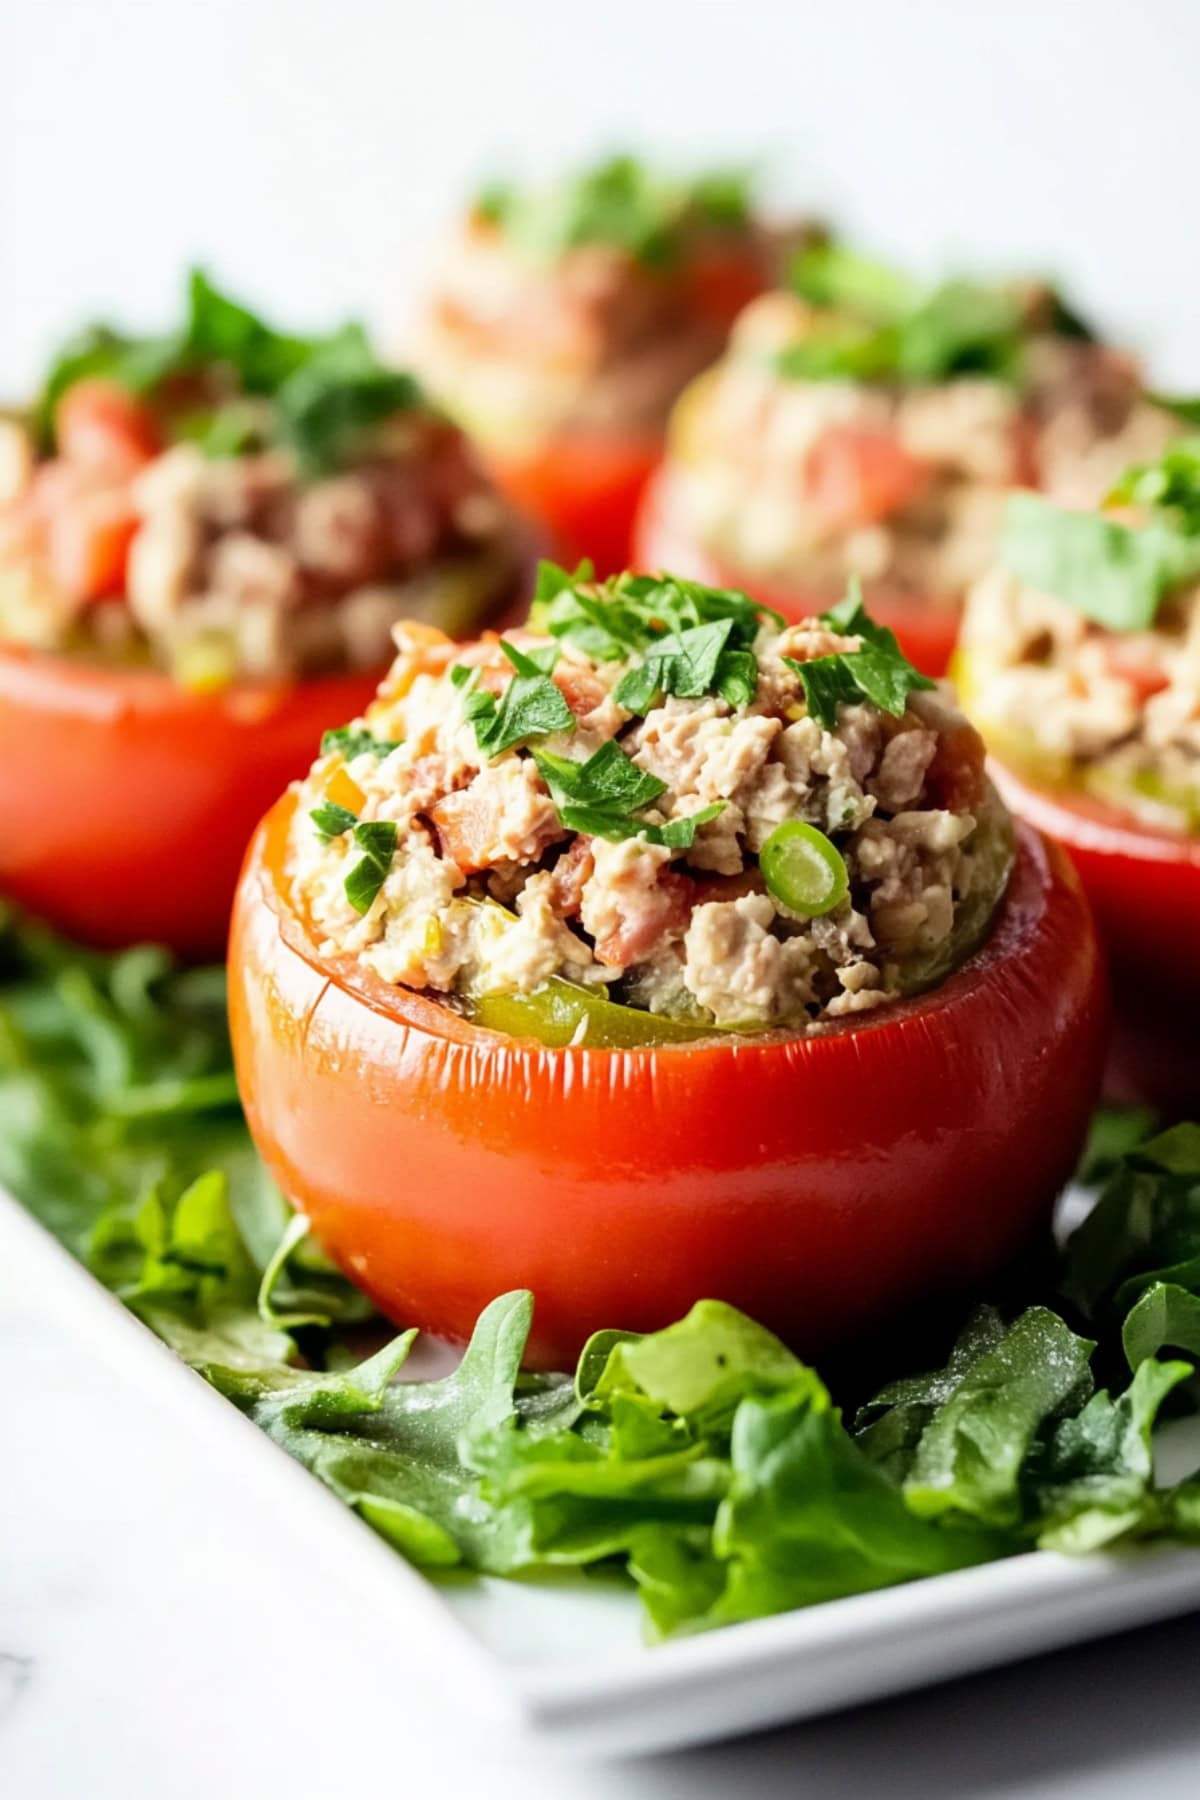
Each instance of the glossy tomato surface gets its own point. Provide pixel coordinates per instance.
(927, 633)
(1144, 886)
(821, 1183)
(582, 490)
(126, 803)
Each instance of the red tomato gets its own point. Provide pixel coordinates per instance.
(927, 633)
(821, 1183)
(126, 803)
(855, 477)
(583, 489)
(103, 428)
(1144, 886)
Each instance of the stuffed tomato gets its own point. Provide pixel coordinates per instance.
(862, 425)
(1080, 660)
(205, 540)
(564, 322)
(659, 951)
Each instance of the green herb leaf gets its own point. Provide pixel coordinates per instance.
(530, 706)
(685, 665)
(1112, 573)
(355, 740)
(619, 203)
(970, 1456)
(881, 326)
(376, 838)
(600, 797)
(328, 408)
(332, 820)
(878, 671)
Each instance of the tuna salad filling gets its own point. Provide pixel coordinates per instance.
(230, 502)
(587, 307)
(860, 425)
(656, 803)
(1080, 651)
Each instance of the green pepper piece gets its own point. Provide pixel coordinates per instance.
(555, 1014)
(803, 869)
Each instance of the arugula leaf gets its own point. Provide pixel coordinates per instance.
(969, 1459)
(1144, 1228)
(1095, 1483)
(1166, 1314)
(332, 820)
(878, 671)
(1115, 574)
(376, 838)
(530, 706)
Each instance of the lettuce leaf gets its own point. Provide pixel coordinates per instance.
(705, 1463)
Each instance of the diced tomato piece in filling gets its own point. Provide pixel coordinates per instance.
(88, 543)
(103, 428)
(665, 910)
(857, 477)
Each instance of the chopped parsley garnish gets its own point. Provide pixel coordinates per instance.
(601, 796)
(619, 203)
(882, 326)
(327, 409)
(530, 706)
(376, 838)
(692, 663)
(327, 392)
(355, 740)
(878, 671)
(332, 820)
(694, 639)
(1113, 573)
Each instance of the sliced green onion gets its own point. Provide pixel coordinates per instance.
(803, 870)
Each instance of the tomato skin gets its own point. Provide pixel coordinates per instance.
(126, 803)
(583, 490)
(1144, 886)
(927, 633)
(819, 1183)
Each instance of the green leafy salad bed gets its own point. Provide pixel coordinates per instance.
(705, 1460)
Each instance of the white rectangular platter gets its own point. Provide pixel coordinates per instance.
(565, 1660)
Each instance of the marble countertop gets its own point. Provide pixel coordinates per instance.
(156, 1644)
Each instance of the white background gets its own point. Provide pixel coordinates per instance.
(310, 149)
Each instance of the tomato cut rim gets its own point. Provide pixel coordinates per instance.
(1017, 918)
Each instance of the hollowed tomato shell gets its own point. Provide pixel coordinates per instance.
(927, 633)
(820, 1183)
(582, 490)
(1144, 886)
(126, 803)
